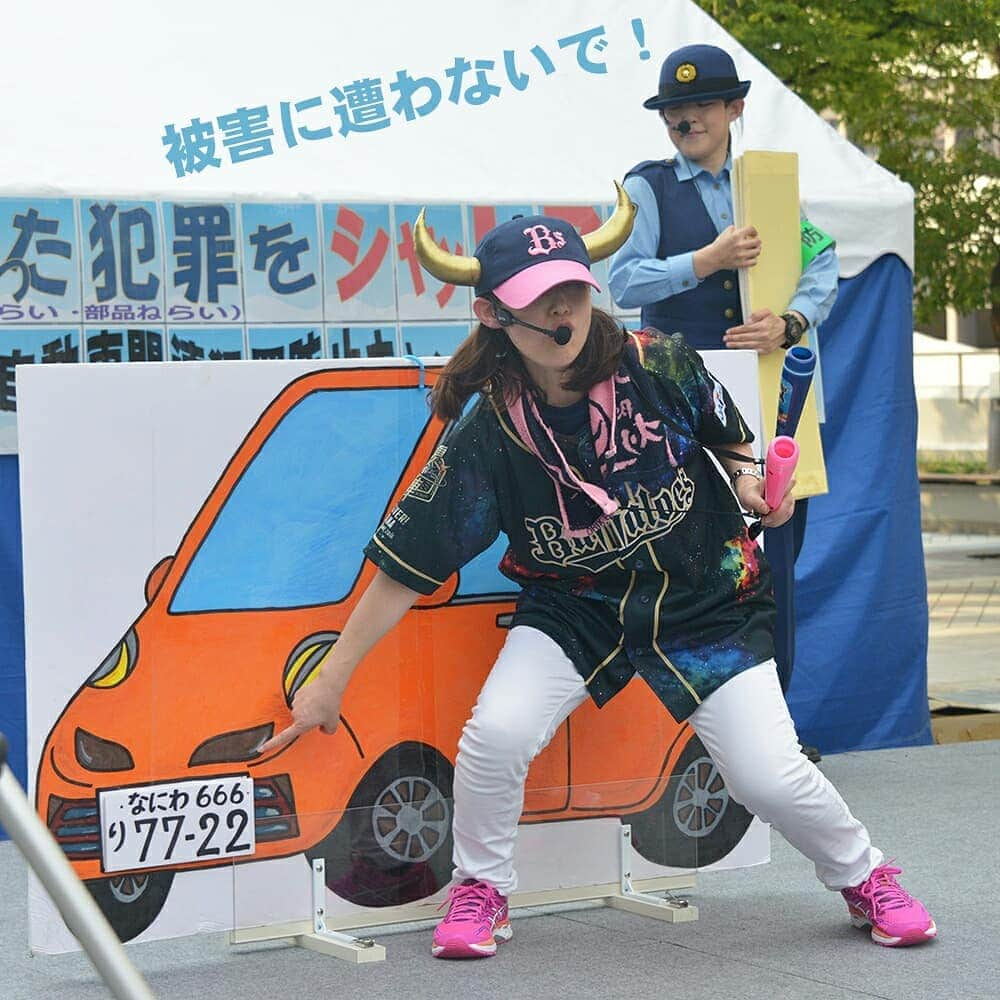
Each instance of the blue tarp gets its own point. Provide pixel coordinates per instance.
(860, 677)
(12, 705)
(861, 658)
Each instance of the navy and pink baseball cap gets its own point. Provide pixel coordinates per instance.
(522, 259)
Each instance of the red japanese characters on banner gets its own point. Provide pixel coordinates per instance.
(346, 243)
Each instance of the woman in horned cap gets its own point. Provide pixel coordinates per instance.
(585, 445)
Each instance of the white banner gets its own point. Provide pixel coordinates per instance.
(259, 202)
(441, 101)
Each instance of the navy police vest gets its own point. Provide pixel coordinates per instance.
(703, 313)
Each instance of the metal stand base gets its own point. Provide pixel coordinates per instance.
(673, 909)
(623, 896)
(329, 942)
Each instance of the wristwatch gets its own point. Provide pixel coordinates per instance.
(794, 329)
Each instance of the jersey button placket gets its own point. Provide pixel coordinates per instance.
(639, 612)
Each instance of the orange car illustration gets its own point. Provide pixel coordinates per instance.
(240, 617)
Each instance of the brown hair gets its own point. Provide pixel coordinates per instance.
(488, 362)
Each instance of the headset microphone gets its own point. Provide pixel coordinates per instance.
(561, 334)
(683, 127)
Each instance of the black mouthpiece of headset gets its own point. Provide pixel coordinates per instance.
(561, 334)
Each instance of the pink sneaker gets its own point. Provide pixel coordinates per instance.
(477, 918)
(895, 917)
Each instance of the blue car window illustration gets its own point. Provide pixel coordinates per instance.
(292, 531)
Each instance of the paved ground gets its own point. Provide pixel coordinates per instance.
(963, 594)
(764, 933)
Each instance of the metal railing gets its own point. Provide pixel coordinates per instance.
(963, 358)
(75, 903)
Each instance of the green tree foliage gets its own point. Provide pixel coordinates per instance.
(898, 72)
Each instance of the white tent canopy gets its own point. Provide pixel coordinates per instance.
(89, 104)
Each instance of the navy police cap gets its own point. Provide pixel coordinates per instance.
(697, 73)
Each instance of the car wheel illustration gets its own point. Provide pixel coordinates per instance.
(131, 902)
(695, 822)
(393, 843)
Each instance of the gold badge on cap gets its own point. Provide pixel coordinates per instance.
(686, 73)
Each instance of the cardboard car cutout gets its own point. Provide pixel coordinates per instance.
(239, 618)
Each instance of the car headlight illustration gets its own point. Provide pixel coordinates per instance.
(97, 754)
(239, 745)
(304, 662)
(118, 664)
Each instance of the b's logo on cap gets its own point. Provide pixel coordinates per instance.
(543, 239)
(686, 73)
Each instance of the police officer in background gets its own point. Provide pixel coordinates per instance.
(681, 263)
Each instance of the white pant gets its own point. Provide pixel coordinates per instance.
(744, 725)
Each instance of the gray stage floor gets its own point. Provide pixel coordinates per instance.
(770, 932)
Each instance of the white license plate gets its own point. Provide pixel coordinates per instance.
(153, 826)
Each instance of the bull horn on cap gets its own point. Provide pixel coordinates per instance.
(454, 269)
(605, 241)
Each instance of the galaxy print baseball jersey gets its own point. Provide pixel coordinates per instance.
(668, 585)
